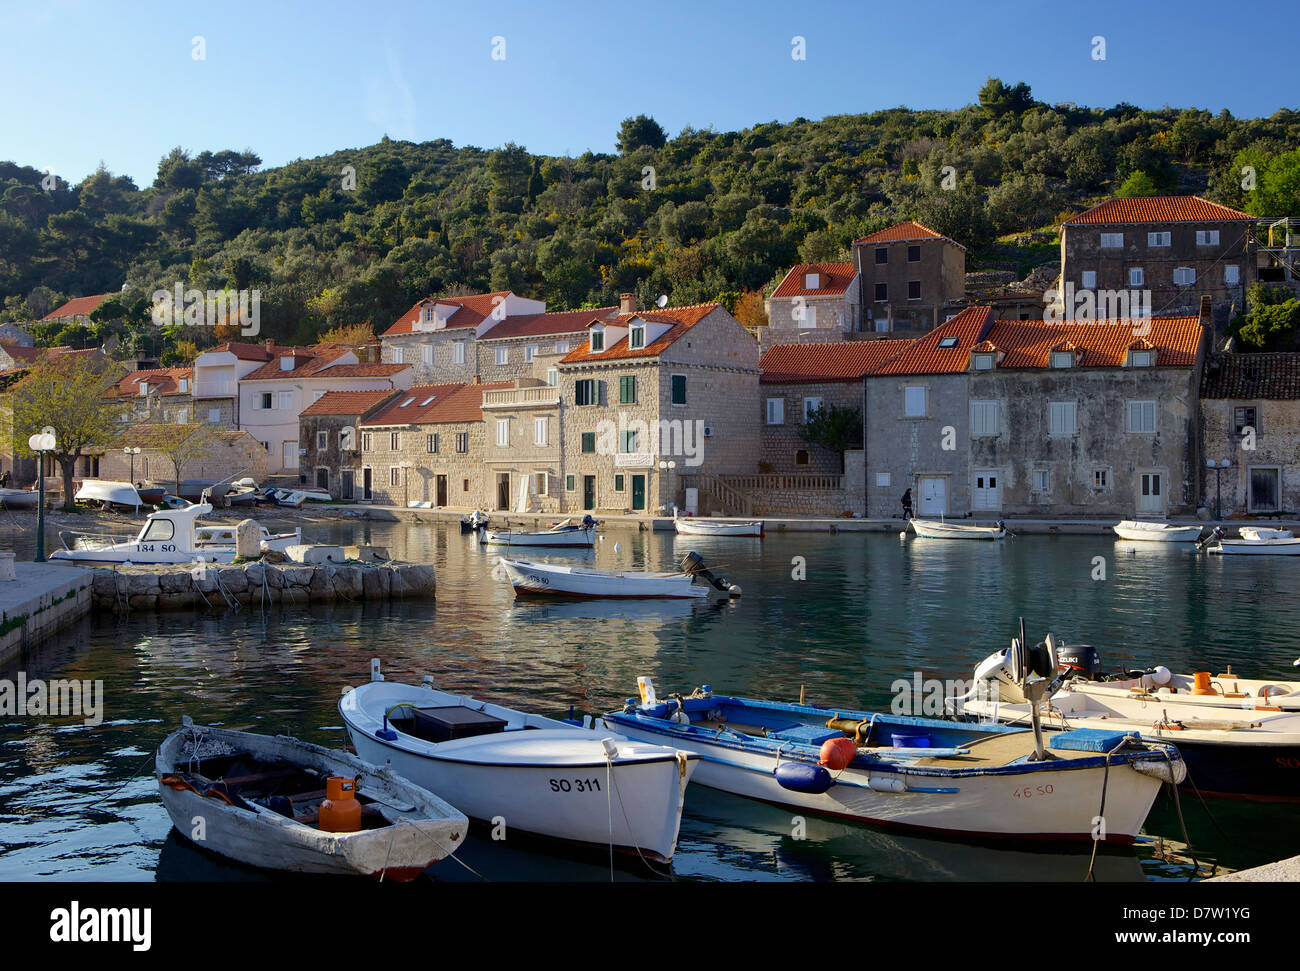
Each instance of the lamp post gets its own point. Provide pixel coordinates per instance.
(131, 453)
(1219, 468)
(40, 444)
(406, 482)
(668, 468)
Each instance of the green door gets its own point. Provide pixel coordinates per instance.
(588, 492)
(638, 492)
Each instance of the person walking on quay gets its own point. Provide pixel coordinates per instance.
(907, 504)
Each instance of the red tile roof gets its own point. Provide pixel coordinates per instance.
(835, 279)
(682, 320)
(435, 404)
(316, 361)
(245, 352)
(475, 309)
(348, 402)
(551, 324)
(1157, 209)
(164, 381)
(818, 363)
(926, 356)
(1098, 343)
(78, 307)
(907, 231)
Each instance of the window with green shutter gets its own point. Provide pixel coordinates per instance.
(679, 389)
(627, 389)
(568, 483)
(618, 483)
(589, 441)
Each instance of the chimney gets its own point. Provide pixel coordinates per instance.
(270, 345)
(1207, 316)
(627, 303)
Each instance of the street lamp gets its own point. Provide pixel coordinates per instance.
(40, 444)
(1219, 468)
(131, 453)
(668, 467)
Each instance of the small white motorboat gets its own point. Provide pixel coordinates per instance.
(1148, 532)
(1201, 689)
(523, 773)
(289, 498)
(710, 527)
(19, 498)
(561, 534)
(167, 536)
(1254, 541)
(109, 493)
(282, 804)
(558, 580)
(930, 529)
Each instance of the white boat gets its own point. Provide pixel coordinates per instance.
(523, 773)
(558, 580)
(206, 537)
(710, 527)
(1254, 541)
(1209, 690)
(930, 529)
(1142, 531)
(926, 774)
(19, 498)
(107, 492)
(1247, 752)
(561, 534)
(290, 498)
(316, 495)
(257, 800)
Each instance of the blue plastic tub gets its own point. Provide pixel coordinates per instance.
(902, 740)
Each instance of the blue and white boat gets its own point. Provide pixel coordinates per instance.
(939, 776)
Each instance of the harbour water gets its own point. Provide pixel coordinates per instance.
(843, 615)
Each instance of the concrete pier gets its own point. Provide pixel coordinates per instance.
(184, 587)
(43, 598)
(1283, 871)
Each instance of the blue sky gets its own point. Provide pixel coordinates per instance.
(82, 82)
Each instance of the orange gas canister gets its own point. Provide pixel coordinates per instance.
(1201, 683)
(340, 812)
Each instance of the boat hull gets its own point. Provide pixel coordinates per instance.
(1162, 533)
(571, 537)
(687, 527)
(1266, 547)
(933, 530)
(19, 499)
(545, 580)
(1043, 802)
(259, 837)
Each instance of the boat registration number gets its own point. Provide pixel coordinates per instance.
(1028, 792)
(152, 548)
(575, 785)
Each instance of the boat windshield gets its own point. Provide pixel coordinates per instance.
(158, 531)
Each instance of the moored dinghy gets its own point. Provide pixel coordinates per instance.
(713, 527)
(282, 804)
(1254, 541)
(694, 581)
(930, 529)
(561, 534)
(927, 774)
(544, 777)
(1148, 532)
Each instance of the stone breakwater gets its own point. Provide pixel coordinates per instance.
(130, 588)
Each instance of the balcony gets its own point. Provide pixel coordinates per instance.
(537, 396)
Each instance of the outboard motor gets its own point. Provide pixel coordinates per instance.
(1215, 532)
(588, 522)
(693, 565)
(1079, 661)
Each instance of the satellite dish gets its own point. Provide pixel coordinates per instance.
(662, 301)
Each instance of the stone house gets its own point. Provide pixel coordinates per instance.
(1093, 418)
(798, 379)
(524, 446)
(217, 373)
(508, 350)
(272, 396)
(1250, 417)
(435, 338)
(427, 445)
(16, 333)
(78, 309)
(658, 405)
(157, 395)
(1176, 248)
(908, 275)
(329, 438)
(814, 303)
(235, 454)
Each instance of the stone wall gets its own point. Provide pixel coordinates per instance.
(781, 444)
(907, 449)
(234, 452)
(941, 272)
(1277, 431)
(442, 369)
(420, 483)
(826, 319)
